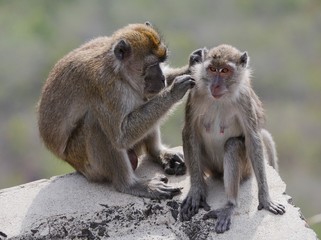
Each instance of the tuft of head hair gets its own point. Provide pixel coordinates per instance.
(143, 39)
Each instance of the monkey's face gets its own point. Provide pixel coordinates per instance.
(139, 55)
(223, 68)
(154, 80)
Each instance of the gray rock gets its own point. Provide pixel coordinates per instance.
(70, 207)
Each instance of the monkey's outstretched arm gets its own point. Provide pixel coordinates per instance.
(172, 73)
(254, 145)
(138, 123)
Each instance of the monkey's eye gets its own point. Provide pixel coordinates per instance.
(224, 70)
(212, 69)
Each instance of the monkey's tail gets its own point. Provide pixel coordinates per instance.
(270, 149)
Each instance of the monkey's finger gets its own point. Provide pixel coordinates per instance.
(169, 192)
(211, 214)
(172, 190)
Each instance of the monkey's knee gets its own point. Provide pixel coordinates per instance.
(234, 144)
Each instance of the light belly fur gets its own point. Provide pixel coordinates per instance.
(217, 124)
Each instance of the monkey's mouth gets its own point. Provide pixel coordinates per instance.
(217, 96)
(218, 92)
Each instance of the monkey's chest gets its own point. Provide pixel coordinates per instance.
(216, 128)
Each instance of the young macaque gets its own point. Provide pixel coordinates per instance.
(223, 134)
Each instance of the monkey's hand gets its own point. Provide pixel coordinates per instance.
(155, 188)
(271, 206)
(195, 57)
(181, 85)
(173, 163)
(192, 203)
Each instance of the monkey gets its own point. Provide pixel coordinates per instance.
(223, 135)
(101, 106)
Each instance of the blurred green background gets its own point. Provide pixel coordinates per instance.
(283, 39)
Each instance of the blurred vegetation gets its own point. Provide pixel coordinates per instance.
(283, 39)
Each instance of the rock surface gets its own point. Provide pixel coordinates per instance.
(69, 207)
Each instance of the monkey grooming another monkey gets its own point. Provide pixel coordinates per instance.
(102, 104)
(223, 134)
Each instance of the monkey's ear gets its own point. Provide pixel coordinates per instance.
(122, 50)
(197, 56)
(244, 59)
(147, 23)
(204, 53)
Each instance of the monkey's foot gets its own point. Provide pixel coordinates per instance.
(173, 163)
(191, 204)
(223, 216)
(155, 188)
(273, 207)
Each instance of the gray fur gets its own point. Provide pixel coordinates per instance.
(224, 136)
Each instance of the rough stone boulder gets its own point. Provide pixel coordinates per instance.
(69, 207)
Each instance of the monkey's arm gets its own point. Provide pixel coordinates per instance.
(196, 197)
(172, 73)
(126, 130)
(254, 148)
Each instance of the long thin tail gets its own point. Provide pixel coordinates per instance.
(270, 149)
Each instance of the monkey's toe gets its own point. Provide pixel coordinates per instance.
(272, 207)
(174, 164)
(223, 225)
(191, 205)
(158, 188)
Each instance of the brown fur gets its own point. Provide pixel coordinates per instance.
(103, 100)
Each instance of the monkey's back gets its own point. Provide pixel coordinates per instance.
(66, 94)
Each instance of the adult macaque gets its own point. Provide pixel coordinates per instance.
(102, 104)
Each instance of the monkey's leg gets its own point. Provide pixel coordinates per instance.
(172, 162)
(254, 146)
(234, 154)
(270, 149)
(111, 163)
(196, 197)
